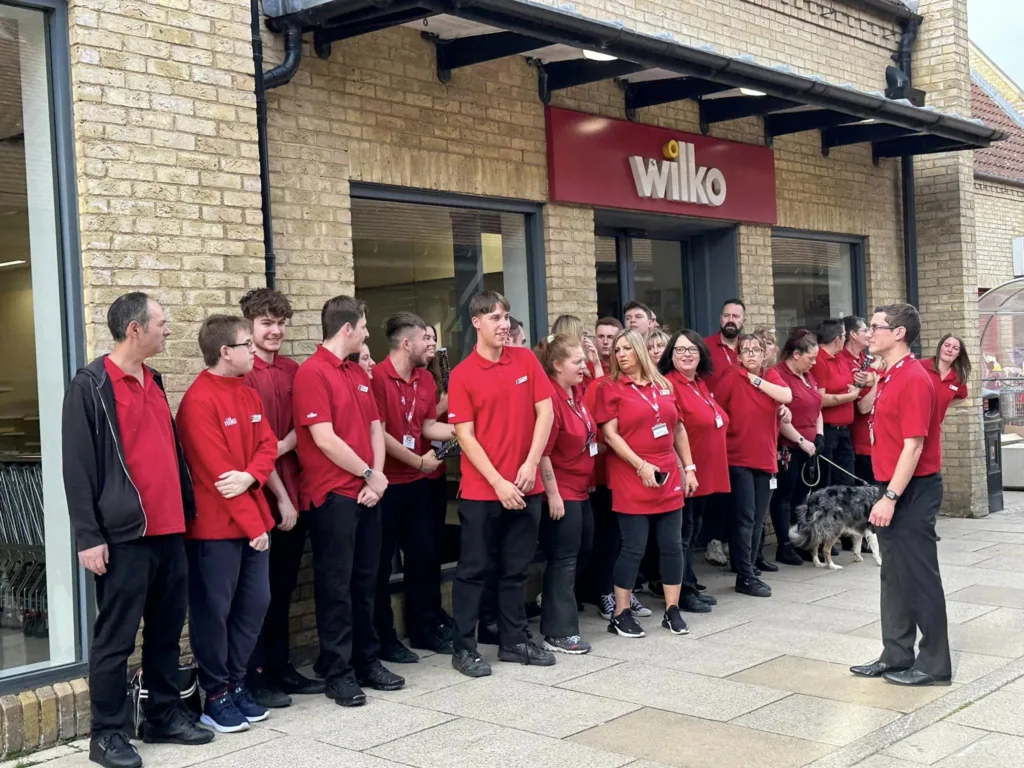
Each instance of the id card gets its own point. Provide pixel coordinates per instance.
(593, 449)
(409, 442)
(660, 430)
(773, 483)
(718, 421)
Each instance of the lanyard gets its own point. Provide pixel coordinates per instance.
(412, 408)
(583, 416)
(882, 386)
(725, 350)
(654, 405)
(696, 390)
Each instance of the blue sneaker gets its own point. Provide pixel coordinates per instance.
(223, 716)
(246, 704)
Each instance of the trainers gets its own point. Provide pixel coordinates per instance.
(574, 645)
(114, 751)
(266, 692)
(471, 664)
(223, 715)
(753, 587)
(625, 625)
(526, 653)
(379, 677)
(435, 643)
(252, 711)
(693, 604)
(178, 727)
(290, 680)
(345, 692)
(639, 609)
(606, 606)
(714, 554)
(397, 653)
(673, 621)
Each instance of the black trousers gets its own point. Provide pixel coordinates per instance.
(790, 494)
(494, 539)
(272, 651)
(864, 470)
(912, 597)
(838, 447)
(714, 523)
(597, 577)
(146, 580)
(693, 516)
(566, 544)
(346, 550)
(407, 522)
(750, 497)
(439, 514)
(634, 529)
(228, 595)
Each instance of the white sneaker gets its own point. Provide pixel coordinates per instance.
(606, 606)
(637, 608)
(715, 554)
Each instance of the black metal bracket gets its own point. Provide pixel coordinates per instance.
(332, 33)
(653, 92)
(859, 133)
(556, 75)
(798, 122)
(466, 51)
(737, 107)
(918, 144)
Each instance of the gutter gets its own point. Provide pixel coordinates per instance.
(991, 178)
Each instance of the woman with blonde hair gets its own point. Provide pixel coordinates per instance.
(657, 340)
(570, 325)
(771, 345)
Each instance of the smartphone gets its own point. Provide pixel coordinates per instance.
(661, 477)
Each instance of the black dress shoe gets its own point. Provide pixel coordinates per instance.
(526, 653)
(114, 751)
(487, 634)
(709, 599)
(178, 728)
(432, 643)
(916, 677)
(875, 669)
(700, 587)
(397, 653)
(269, 696)
(345, 692)
(380, 678)
(788, 556)
(693, 604)
(471, 664)
(291, 681)
(765, 565)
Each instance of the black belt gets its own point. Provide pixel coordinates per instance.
(837, 426)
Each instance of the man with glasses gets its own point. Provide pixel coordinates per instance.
(907, 460)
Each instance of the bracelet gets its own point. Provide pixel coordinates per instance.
(420, 470)
(690, 468)
(641, 467)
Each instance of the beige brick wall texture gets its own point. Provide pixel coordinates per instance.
(999, 218)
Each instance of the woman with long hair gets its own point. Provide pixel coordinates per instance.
(685, 363)
(751, 394)
(567, 523)
(951, 368)
(649, 472)
(799, 439)
(657, 343)
(771, 345)
(571, 325)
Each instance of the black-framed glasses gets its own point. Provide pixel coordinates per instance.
(683, 351)
(875, 328)
(751, 351)
(248, 344)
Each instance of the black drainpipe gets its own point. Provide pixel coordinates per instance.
(902, 57)
(279, 75)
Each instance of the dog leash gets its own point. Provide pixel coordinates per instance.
(818, 456)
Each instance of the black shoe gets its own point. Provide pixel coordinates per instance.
(380, 678)
(471, 664)
(788, 557)
(757, 571)
(656, 588)
(179, 728)
(526, 653)
(765, 565)
(345, 692)
(291, 681)
(673, 621)
(700, 587)
(693, 604)
(487, 634)
(433, 643)
(916, 677)
(875, 669)
(626, 625)
(397, 653)
(753, 587)
(266, 695)
(709, 599)
(114, 751)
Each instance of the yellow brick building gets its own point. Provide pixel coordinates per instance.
(410, 158)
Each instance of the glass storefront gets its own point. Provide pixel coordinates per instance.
(641, 269)
(814, 279)
(38, 571)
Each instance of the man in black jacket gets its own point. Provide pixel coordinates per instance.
(129, 493)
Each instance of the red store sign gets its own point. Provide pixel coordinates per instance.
(617, 164)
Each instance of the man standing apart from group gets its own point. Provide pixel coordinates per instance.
(907, 460)
(500, 403)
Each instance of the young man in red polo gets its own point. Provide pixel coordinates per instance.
(272, 677)
(907, 460)
(340, 444)
(838, 393)
(406, 396)
(230, 450)
(499, 400)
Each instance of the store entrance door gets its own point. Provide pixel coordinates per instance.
(642, 269)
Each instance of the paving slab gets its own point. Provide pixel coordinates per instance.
(1000, 711)
(810, 717)
(935, 742)
(819, 617)
(803, 641)
(698, 743)
(805, 591)
(884, 761)
(997, 750)
(988, 595)
(986, 640)
(703, 656)
(296, 752)
(1001, 618)
(957, 612)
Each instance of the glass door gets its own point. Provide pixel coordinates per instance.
(641, 269)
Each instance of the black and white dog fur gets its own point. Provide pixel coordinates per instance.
(830, 513)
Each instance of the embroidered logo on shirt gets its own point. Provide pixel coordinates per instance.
(230, 422)
(665, 392)
(520, 381)
(451, 415)
(311, 415)
(363, 388)
(256, 418)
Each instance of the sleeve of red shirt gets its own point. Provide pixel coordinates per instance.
(774, 377)
(542, 389)
(961, 392)
(823, 373)
(263, 461)
(606, 404)
(553, 435)
(916, 406)
(311, 401)
(380, 397)
(460, 403)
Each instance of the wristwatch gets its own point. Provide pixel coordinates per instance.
(367, 473)
(891, 495)
(690, 468)
(757, 382)
(800, 440)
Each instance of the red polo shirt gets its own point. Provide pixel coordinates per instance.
(947, 389)
(274, 382)
(600, 474)
(569, 445)
(499, 398)
(723, 358)
(223, 428)
(753, 420)
(403, 407)
(905, 406)
(625, 401)
(835, 378)
(805, 406)
(147, 437)
(859, 431)
(700, 413)
(329, 390)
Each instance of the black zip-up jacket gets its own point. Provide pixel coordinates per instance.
(103, 502)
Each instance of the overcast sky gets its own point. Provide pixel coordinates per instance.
(997, 27)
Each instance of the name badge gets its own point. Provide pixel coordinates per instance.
(521, 380)
(256, 418)
(593, 449)
(666, 392)
(363, 388)
(718, 421)
(954, 387)
(409, 442)
(660, 430)
(773, 484)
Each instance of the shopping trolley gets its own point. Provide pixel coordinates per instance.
(22, 548)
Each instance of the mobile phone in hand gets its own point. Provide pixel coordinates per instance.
(661, 477)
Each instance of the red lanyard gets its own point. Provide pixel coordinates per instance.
(654, 405)
(583, 416)
(696, 390)
(412, 408)
(882, 386)
(725, 350)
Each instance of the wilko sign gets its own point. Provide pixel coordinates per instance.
(617, 164)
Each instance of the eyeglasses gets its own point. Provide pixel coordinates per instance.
(876, 328)
(748, 352)
(683, 351)
(247, 344)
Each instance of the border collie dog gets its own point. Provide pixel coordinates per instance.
(830, 513)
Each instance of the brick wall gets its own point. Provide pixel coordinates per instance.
(999, 217)
(570, 266)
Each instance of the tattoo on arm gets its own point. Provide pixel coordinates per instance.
(548, 475)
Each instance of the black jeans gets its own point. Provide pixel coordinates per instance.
(634, 529)
(346, 550)
(693, 516)
(838, 447)
(607, 543)
(146, 580)
(493, 539)
(272, 651)
(714, 523)
(864, 469)
(912, 597)
(407, 521)
(790, 494)
(750, 497)
(228, 595)
(566, 542)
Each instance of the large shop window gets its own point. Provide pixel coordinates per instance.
(38, 572)
(815, 279)
(636, 268)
